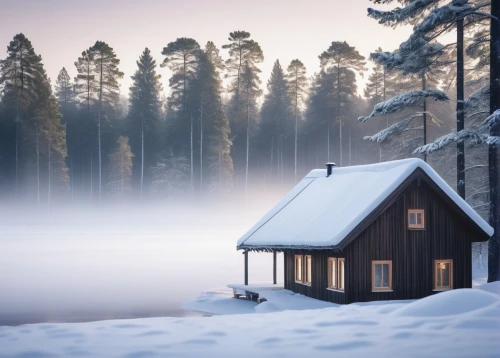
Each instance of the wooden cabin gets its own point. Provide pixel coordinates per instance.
(386, 231)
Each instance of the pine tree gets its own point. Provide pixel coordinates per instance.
(120, 169)
(64, 92)
(276, 123)
(106, 72)
(344, 61)
(86, 85)
(245, 54)
(144, 118)
(297, 86)
(213, 123)
(39, 135)
(18, 73)
(182, 59)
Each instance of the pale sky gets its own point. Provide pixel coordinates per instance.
(285, 29)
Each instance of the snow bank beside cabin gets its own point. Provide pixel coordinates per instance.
(351, 331)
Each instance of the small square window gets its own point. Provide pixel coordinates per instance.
(381, 275)
(416, 219)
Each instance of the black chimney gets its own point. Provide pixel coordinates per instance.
(329, 167)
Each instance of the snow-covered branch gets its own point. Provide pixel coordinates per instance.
(396, 128)
(402, 101)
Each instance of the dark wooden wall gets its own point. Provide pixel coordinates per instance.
(319, 284)
(412, 252)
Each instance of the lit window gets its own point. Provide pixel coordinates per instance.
(381, 275)
(298, 268)
(341, 274)
(308, 270)
(332, 272)
(336, 273)
(443, 274)
(416, 219)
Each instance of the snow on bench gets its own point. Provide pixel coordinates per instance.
(254, 292)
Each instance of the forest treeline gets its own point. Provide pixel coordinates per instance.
(216, 131)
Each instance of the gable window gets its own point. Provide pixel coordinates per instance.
(336, 273)
(298, 268)
(308, 269)
(416, 219)
(443, 274)
(381, 275)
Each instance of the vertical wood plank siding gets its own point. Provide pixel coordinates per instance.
(412, 252)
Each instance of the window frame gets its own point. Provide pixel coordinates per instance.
(382, 262)
(332, 262)
(443, 288)
(416, 226)
(304, 274)
(336, 262)
(339, 275)
(297, 271)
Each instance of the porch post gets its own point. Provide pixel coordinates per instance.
(246, 267)
(274, 267)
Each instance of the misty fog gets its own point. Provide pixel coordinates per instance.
(81, 263)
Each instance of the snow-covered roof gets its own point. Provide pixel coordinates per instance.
(321, 211)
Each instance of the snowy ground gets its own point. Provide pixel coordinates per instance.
(458, 323)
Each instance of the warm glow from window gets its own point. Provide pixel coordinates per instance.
(443, 274)
(308, 270)
(298, 268)
(416, 219)
(336, 273)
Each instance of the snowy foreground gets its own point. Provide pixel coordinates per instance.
(459, 323)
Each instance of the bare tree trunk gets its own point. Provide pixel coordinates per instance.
(494, 242)
(99, 129)
(424, 116)
(327, 144)
(121, 174)
(271, 164)
(37, 167)
(201, 143)
(142, 151)
(91, 178)
(248, 139)
(50, 173)
(340, 140)
(460, 109)
(350, 129)
(296, 123)
(192, 155)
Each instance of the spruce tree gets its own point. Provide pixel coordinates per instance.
(297, 87)
(86, 85)
(19, 71)
(343, 60)
(181, 56)
(64, 92)
(213, 124)
(144, 119)
(276, 126)
(31, 108)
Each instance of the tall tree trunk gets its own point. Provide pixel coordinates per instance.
(248, 138)
(99, 128)
(460, 109)
(192, 155)
(121, 174)
(142, 151)
(424, 115)
(494, 242)
(296, 122)
(201, 143)
(271, 164)
(327, 144)
(338, 112)
(37, 167)
(50, 174)
(91, 178)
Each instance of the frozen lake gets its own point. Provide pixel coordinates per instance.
(112, 262)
